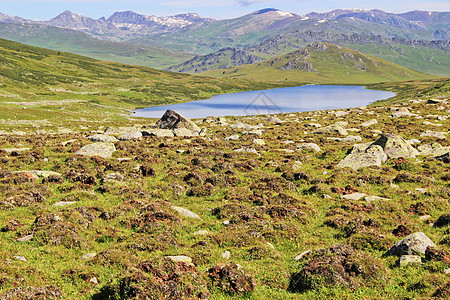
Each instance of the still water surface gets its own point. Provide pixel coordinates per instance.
(282, 100)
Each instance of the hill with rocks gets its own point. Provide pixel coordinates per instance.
(322, 63)
(96, 203)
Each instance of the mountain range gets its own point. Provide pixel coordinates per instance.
(416, 39)
(321, 63)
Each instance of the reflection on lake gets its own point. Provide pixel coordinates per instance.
(283, 100)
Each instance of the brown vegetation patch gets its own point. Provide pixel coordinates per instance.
(231, 279)
(338, 265)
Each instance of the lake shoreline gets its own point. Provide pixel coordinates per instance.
(310, 97)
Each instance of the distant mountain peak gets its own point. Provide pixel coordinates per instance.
(265, 10)
(272, 10)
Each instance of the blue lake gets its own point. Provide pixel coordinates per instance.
(283, 100)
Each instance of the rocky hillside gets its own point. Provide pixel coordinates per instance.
(323, 63)
(311, 205)
(222, 59)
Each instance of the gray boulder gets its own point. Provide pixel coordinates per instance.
(171, 120)
(308, 146)
(433, 149)
(402, 112)
(131, 136)
(415, 243)
(369, 123)
(158, 132)
(434, 134)
(395, 146)
(184, 132)
(103, 138)
(372, 156)
(408, 259)
(331, 129)
(104, 150)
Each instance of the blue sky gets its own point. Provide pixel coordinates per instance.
(46, 9)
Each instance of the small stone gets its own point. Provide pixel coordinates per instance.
(101, 149)
(10, 150)
(370, 199)
(181, 258)
(315, 125)
(413, 142)
(409, 259)
(325, 196)
(354, 196)
(226, 222)
(369, 123)
(421, 190)
(424, 217)
(301, 255)
(88, 256)
(259, 142)
(21, 258)
(64, 203)
(331, 129)
(184, 132)
(158, 133)
(226, 255)
(247, 150)
(270, 245)
(202, 232)
(402, 112)
(447, 271)
(103, 138)
(131, 136)
(308, 146)
(93, 280)
(255, 132)
(186, 212)
(434, 134)
(233, 137)
(25, 238)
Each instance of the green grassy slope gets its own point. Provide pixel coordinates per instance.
(60, 39)
(39, 79)
(323, 63)
(423, 59)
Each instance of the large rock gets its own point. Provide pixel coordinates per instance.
(415, 243)
(433, 149)
(104, 150)
(158, 132)
(103, 138)
(171, 120)
(372, 156)
(185, 212)
(131, 136)
(434, 134)
(369, 123)
(331, 129)
(39, 173)
(308, 146)
(395, 146)
(184, 132)
(402, 112)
